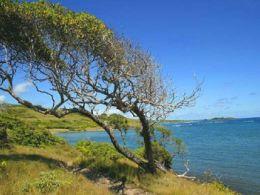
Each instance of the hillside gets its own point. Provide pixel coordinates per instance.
(72, 122)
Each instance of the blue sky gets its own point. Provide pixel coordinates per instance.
(217, 41)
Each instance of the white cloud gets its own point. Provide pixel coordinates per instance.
(109, 111)
(2, 99)
(22, 87)
(114, 111)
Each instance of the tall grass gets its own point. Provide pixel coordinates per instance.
(36, 171)
(29, 170)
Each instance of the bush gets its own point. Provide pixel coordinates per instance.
(47, 182)
(3, 137)
(161, 155)
(29, 137)
(98, 153)
(3, 166)
(21, 133)
(103, 158)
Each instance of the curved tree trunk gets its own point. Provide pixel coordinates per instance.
(147, 141)
(148, 149)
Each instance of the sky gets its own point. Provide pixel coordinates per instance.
(214, 41)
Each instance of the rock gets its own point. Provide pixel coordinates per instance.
(85, 170)
(69, 164)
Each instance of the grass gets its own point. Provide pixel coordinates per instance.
(33, 170)
(169, 184)
(36, 171)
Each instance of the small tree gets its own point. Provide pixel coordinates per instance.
(85, 66)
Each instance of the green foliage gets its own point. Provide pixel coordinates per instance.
(3, 137)
(165, 137)
(3, 166)
(31, 137)
(118, 121)
(222, 187)
(45, 22)
(179, 146)
(98, 153)
(163, 133)
(22, 133)
(103, 158)
(48, 182)
(161, 155)
(209, 177)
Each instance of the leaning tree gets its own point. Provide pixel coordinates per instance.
(82, 67)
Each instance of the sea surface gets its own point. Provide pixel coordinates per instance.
(228, 149)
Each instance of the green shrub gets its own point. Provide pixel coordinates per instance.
(48, 182)
(103, 158)
(3, 137)
(98, 154)
(21, 133)
(118, 121)
(30, 137)
(161, 155)
(3, 166)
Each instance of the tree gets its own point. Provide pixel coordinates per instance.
(85, 66)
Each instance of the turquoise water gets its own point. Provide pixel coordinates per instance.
(229, 149)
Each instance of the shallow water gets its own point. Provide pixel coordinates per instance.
(229, 149)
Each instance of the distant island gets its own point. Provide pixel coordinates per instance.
(221, 118)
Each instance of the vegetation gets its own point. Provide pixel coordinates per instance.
(103, 158)
(35, 171)
(72, 122)
(222, 118)
(161, 155)
(39, 171)
(15, 131)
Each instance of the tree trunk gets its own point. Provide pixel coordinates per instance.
(147, 141)
(149, 150)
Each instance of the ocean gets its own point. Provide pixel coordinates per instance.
(228, 149)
